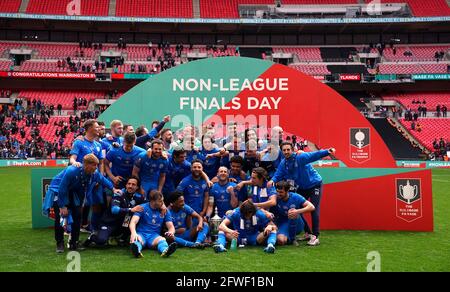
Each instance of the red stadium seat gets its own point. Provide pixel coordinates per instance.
(155, 8)
(65, 98)
(432, 99)
(10, 6)
(59, 7)
(431, 129)
(304, 54)
(313, 70)
(4, 65)
(419, 53)
(413, 68)
(229, 8)
(47, 131)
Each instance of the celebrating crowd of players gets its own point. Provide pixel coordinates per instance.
(146, 190)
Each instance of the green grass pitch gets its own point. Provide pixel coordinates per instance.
(25, 249)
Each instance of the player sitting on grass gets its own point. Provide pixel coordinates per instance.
(149, 224)
(251, 227)
(185, 231)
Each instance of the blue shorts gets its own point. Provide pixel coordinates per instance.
(251, 239)
(283, 227)
(148, 238)
(187, 234)
(96, 196)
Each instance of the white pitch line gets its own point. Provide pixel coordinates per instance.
(441, 180)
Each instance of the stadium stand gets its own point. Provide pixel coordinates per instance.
(418, 53)
(11, 6)
(229, 8)
(312, 69)
(5, 65)
(304, 54)
(342, 54)
(413, 68)
(400, 147)
(424, 8)
(65, 98)
(208, 8)
(149, 68)
(50, 66)
(46, 131)
(49, 50)
(432, 99)
(432, 128)
(421, 60)
(59, 7)
(155, 8)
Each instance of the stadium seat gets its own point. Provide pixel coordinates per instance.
(432, 99)
(155, 8)
(304, 53)
(413, 68)
(65, 98)
(11, 6)
(5, 64)
(419, 53)
(229, 8)
(314, 70)
(46, 131)
(432, 128)
(59, 7)
(48, 66)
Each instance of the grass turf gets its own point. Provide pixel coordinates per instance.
(25, 249)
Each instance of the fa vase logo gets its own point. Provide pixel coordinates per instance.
(408, 192)
(409, 203)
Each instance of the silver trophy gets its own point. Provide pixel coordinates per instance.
(214, 226)
(408, 192)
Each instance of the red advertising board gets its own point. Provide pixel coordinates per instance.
(49, 75)
(392, 202)
(350, 77)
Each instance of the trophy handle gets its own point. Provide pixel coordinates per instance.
(416, 191)
(400, 189)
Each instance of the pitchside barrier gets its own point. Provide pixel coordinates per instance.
(371, 193)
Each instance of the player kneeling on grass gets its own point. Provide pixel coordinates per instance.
(185, 230)
(116, 219)
(252, 228)
(150, 222)
(288, 213)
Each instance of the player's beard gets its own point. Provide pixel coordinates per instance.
(196, 174)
